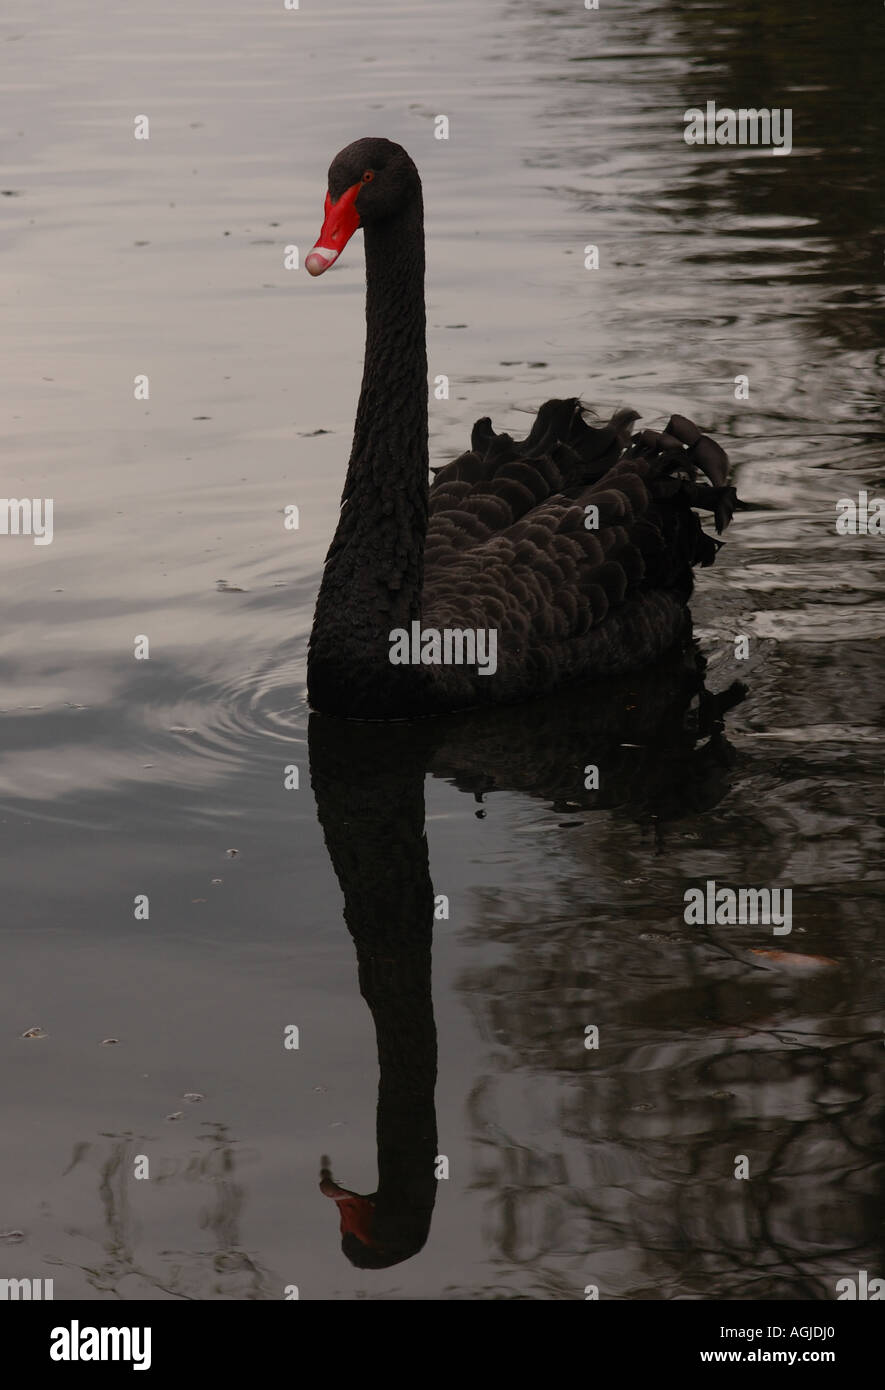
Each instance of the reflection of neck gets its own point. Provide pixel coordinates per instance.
(397, 990)
(369, 787)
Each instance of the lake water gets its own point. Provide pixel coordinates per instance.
(566, 1166)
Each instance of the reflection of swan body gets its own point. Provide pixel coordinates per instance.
(369, 787)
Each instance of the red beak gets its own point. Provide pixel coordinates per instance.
(340, 222)
(357, 1213)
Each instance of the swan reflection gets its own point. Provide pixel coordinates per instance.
(660, 746)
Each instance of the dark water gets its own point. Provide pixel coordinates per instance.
(566, 1166)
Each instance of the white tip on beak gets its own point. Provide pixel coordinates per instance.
(319, 259)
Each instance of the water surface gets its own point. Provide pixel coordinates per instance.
(566, 1166)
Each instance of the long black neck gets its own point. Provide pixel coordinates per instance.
(374, 569)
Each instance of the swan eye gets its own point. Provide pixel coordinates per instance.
(368, 176)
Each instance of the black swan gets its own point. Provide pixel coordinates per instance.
(527, 564)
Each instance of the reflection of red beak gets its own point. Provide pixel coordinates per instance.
(357, 1213)
(340, 222)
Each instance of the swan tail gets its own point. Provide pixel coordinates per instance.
(675, 456)
(681, 448)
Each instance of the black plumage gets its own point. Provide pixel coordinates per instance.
(576, 545)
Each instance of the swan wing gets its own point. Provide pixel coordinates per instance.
(547, 538)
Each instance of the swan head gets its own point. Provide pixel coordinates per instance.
(362, 1235)
(370, 181)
